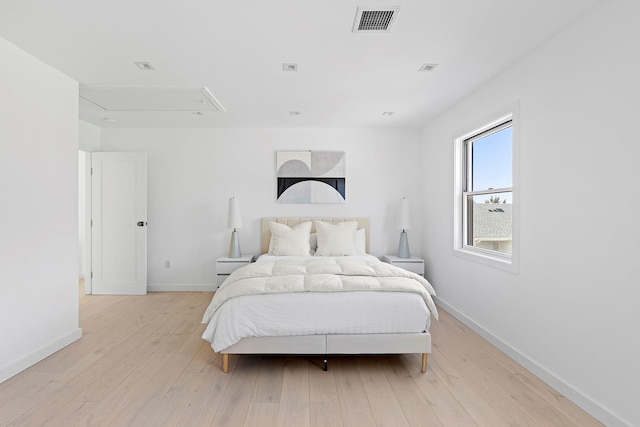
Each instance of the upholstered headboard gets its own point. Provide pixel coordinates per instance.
(293, 221)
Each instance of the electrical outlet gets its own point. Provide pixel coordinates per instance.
(167, 264)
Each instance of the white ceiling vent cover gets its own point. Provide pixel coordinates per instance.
(375, 19)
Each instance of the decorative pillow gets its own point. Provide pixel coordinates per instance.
(360, 242)
(336, 239)
(289, 241)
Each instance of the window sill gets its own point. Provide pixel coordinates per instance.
(492, 261)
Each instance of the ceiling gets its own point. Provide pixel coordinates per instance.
(235, 51)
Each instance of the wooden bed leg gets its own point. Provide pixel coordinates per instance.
(326, 365)
(424, 362)
(225, 362)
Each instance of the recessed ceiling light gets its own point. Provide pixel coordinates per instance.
(295, 113)
(388, 113)
(145, 66)
(289, 67)
(110, 120)
(427, 67)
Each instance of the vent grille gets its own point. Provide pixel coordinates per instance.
(375, 20)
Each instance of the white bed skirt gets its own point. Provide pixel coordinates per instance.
(335, 344)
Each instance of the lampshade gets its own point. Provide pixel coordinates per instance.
(235, 218)
(403, 222)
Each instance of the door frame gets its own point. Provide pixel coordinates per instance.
(87, 224)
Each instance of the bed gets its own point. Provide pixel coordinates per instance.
(328, 297)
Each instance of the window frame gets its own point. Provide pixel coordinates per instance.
(462, 179)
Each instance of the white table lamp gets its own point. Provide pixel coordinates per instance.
(234, 221)
(403, 223)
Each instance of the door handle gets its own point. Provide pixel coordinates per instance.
(141, 223)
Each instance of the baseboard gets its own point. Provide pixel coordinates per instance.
(181, 287)
(584, 402)
(31, 359)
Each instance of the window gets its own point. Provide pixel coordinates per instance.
(485, 199)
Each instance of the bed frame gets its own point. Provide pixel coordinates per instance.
(329, 344)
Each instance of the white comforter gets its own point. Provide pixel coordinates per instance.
(319, 275)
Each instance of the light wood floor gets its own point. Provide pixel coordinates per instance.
(141, 361)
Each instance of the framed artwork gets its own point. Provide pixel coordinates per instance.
(310, 177)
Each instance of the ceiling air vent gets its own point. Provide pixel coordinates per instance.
(375, 19)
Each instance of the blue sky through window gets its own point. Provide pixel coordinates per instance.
(492, 162)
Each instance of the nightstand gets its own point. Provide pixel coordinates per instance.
(413, 264)
(225, 265)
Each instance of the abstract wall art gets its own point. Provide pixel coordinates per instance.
(310, 176)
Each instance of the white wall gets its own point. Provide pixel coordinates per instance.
(571, 311)
(38, 214)
(88, 136)
(193, 172)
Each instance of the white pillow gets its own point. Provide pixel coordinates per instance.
(360, 242)
(336, 239)
(289, 241)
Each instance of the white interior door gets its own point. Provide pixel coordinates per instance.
(119, 217)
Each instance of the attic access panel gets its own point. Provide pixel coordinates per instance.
(151, 98)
